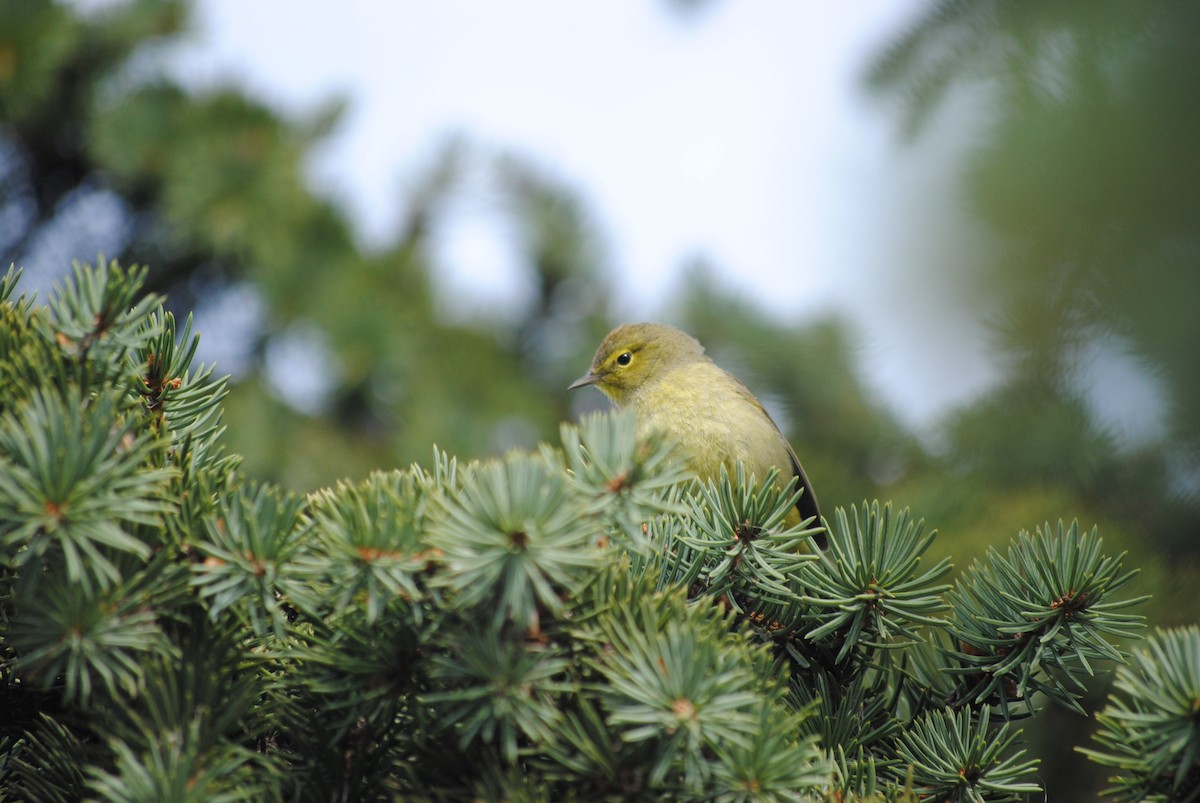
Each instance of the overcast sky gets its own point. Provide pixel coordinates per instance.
(739, 133)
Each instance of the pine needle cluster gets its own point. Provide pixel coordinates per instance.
(585, 621)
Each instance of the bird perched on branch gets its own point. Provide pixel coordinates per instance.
(663, 375)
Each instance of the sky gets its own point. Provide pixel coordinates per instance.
(736, 132)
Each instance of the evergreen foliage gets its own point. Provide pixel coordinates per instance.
(1148, 730)
(582, 622)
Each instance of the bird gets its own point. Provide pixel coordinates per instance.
(663, 375)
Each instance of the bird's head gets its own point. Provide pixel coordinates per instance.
(636, 355)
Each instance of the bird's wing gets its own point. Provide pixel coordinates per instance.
(807, 505)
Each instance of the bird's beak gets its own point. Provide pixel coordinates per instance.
(587, 379)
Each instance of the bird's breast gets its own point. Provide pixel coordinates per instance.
(706, 413)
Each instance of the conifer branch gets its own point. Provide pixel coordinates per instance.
(580, 622)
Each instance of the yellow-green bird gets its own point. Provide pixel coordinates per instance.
(663, 375)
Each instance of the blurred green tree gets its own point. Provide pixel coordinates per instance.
(1083, 172)
(208, 189)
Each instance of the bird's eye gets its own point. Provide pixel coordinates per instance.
(625, 358)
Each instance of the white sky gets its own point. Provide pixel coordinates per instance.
(739, 133)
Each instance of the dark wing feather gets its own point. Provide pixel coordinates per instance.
(806, 506)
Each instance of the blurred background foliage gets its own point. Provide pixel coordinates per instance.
(1081, 126)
